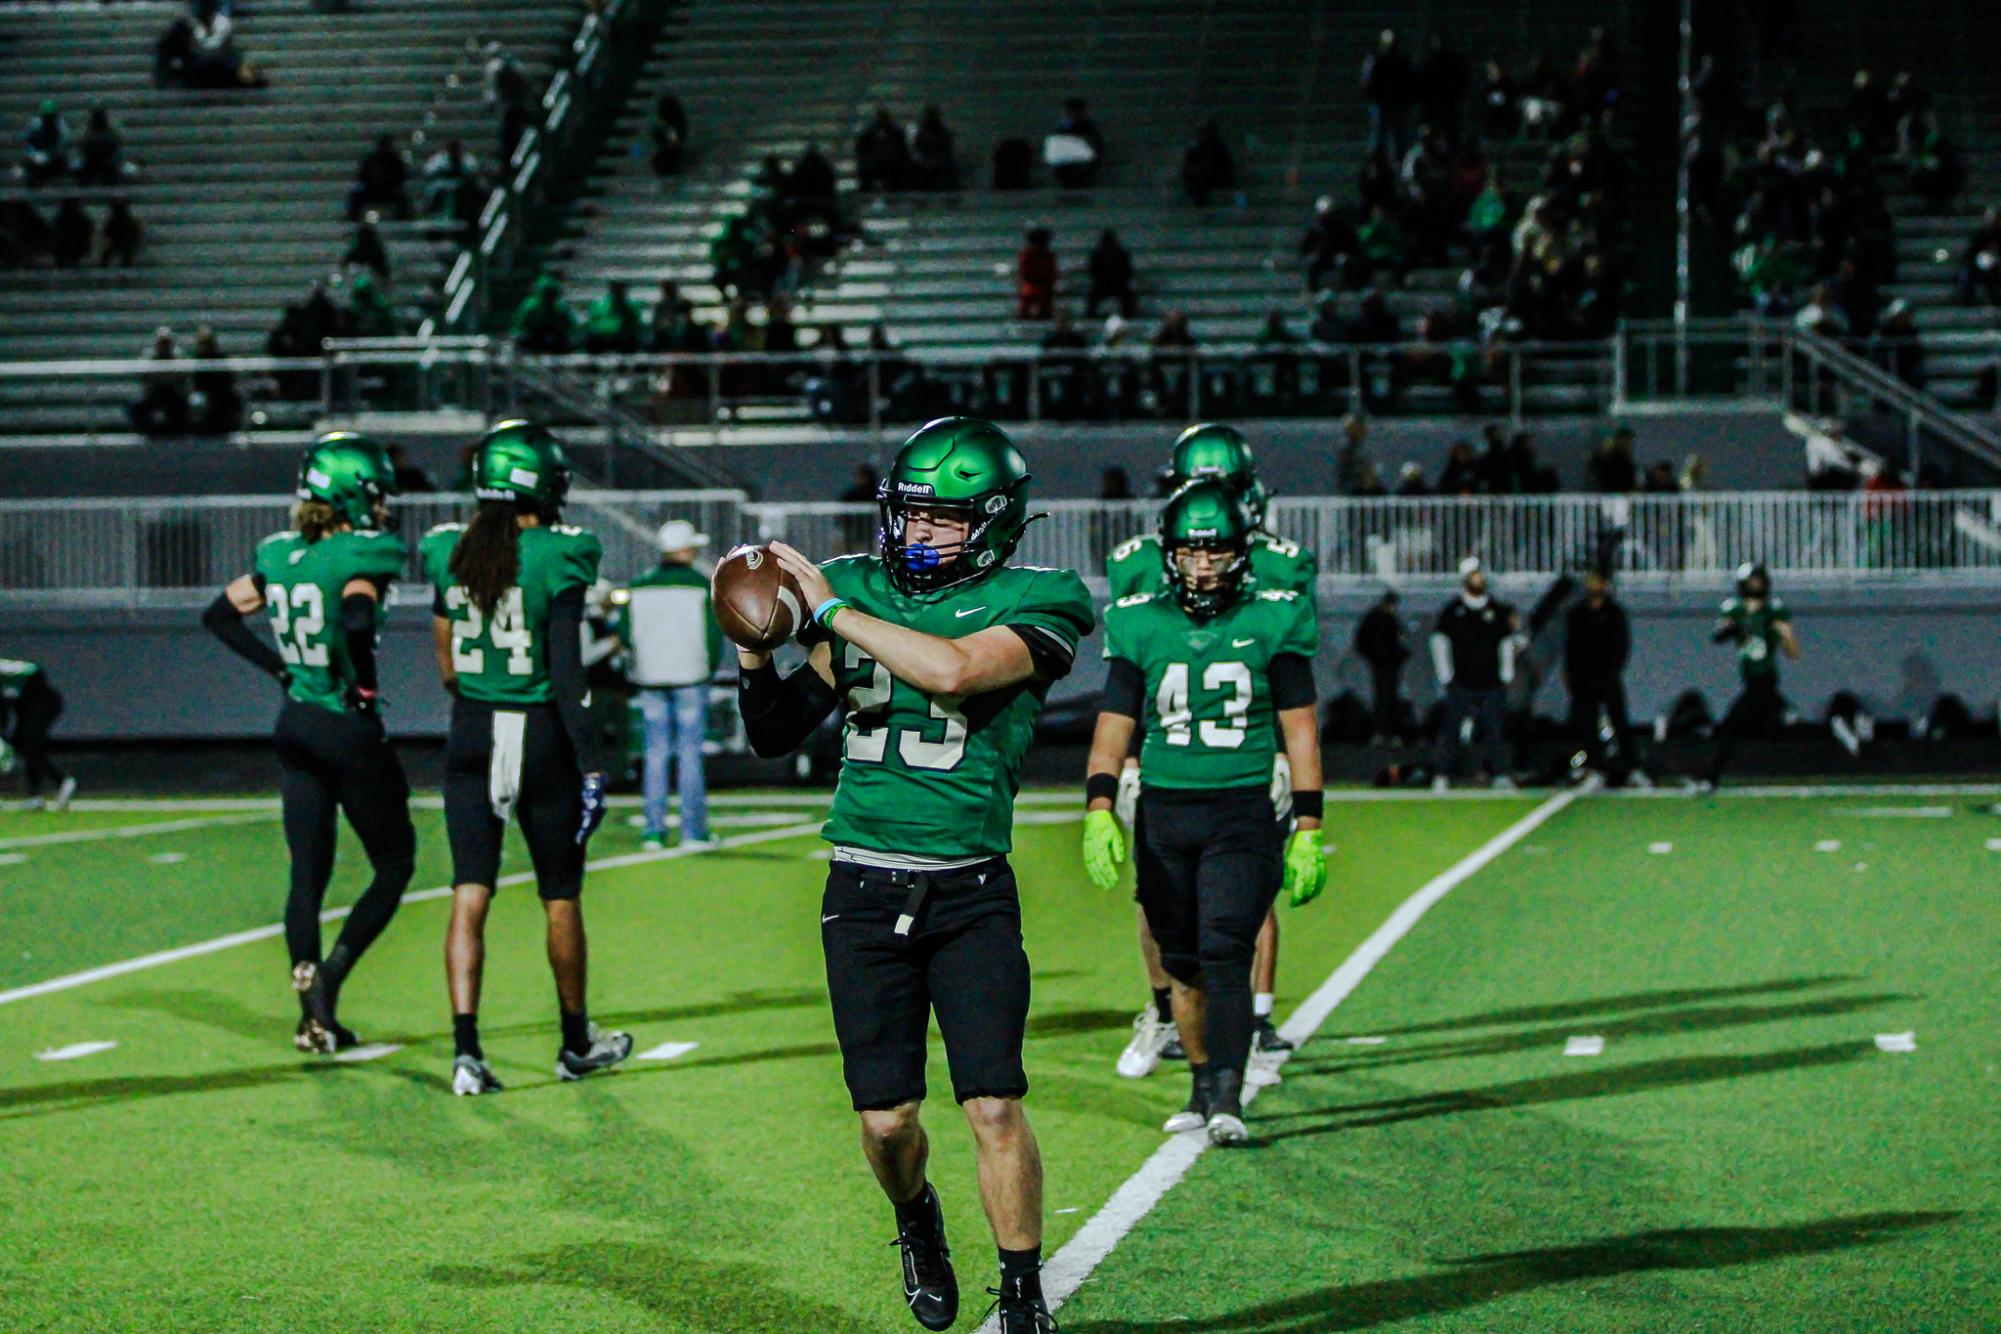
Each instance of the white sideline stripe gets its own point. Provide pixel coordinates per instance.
(135, 830)
(1896, 1042)
(160, 958)
(1584, 1046)
(1083, 1253)
(74, 1051)
(667, 1051)
(368, 1052)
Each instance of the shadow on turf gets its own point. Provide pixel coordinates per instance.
(1666, 1022)
(676, 1287)
(1474, 1280)
(740, 1002)
(1638, 1000)
(1600, 1082)
(79, 1094)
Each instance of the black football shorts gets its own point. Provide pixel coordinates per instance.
(959, 956)
(518, 761)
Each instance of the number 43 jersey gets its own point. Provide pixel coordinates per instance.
(503, 658)
(1210, 722)
(929, 775)
(303, 582)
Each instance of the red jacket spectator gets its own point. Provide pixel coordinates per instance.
(1035, 274)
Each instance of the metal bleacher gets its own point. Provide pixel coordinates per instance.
(242, 193)
(1280, 77)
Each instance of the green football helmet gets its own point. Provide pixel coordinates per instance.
(1211, 449)
(1209, 515)
(962, 465)
(351, 473)
(522, 462)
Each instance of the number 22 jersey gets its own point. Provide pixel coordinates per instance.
(303, 584)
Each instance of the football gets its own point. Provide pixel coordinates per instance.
(758, 605)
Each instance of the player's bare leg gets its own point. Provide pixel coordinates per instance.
(1010, 1171)
(465, 969)
(1191, 1010)
(585, 1047)
(898, 1152)
(1264, 983)
(1153, 1038)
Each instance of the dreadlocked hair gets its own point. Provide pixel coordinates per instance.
(487, 560)
(314, 519)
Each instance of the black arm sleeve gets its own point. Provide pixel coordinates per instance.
(778, 715)
(1125, 689)
(357, 623)
(1052, 657)
(226, 623)
(1292, 682)
(566, 677)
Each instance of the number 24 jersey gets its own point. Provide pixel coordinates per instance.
(1209, 718)
(503, 658)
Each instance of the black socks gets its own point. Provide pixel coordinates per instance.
(1021, 1274)
(465, 1036)
(1163, 1004)
(920, 1211)
(576, 1033)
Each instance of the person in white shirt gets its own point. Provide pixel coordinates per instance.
(675, 647)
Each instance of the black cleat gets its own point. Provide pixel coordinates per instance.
(1265, 1039)
(1226, 1108)
(1022, 1314)
(606, 1050)
(929, 1286)
(317, 1024)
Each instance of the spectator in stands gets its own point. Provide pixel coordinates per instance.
(1351, 454)
(1387, 87)
(1173, 335)
(1383, 247)
(217, 406)
(162, 409)
(1660, 480)
(1461, 474)
(72, 234)
(380, 182)
(781, 335)
(45, 145)
(1440, 81)
(543, 321)
(213, 59)
(613, 325)
(122, 235)
(1410, 480)
(1611, 468)
(1382, 641)
(932, 163)
(411, 477)
(1980, 265)
(1073, 169)
(1329, 324)
(882, 154)
(1036, 271)
(1936, 173)
(1063, 337)
(1111, 273)
(1207, 166)
(100, 156)
(673, 320)
(1426, 177)
(1374, 321)
(173, 52)
(670, 135)
(369, 312)
(1896, 346)
(366, 250)
(1491, 213)
(444, 172)
(1500, 109)
(1331, 248)
(1275, 332)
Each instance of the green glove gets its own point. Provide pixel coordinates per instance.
(1305, 866)
(1104, 848)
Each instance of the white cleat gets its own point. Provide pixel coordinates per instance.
(1258, 1075)
(1188, 1118)
(1151, 1034)
(1226, 1130)
(60, 802)
(607, 1049)
(471, 1077)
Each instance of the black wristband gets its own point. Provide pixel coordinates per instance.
(1101, 785)
(1311, 803)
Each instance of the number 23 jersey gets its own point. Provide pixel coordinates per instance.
(503, 658)
(1210, 722)
(929, 775)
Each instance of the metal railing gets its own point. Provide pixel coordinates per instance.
(176, 551)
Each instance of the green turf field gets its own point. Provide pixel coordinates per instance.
(1740, 1155)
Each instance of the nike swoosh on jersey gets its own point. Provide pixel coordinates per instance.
(1242, 643)
(968, 611)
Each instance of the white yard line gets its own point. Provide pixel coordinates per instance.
(161, 958)
(135, 830)
(1082, 1254)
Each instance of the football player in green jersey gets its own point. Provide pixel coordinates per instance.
(29, 707)
(1208, 449)
(507, 615)
(1761, 628)
(1221, 673)
(323, 584)
(940, 653)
